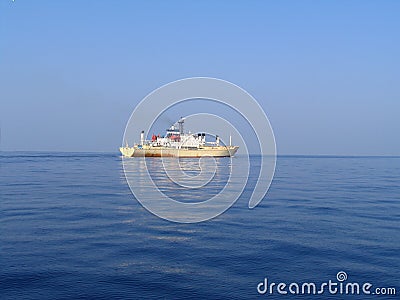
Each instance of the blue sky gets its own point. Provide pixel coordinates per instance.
(325, 72)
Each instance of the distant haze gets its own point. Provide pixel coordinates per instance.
(326, 73)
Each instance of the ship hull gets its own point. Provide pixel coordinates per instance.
(219, 151)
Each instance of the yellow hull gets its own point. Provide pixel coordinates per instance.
(220, 151)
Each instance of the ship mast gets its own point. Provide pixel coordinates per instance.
(180, 123)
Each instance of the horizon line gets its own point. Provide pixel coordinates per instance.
(278, 155)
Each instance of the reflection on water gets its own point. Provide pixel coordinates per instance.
(197, 189)
(187, 180)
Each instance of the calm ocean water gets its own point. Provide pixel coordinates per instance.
(71, 229)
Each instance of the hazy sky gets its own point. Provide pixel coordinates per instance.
(326, 72)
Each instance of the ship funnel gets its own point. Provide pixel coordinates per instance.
(142, 138)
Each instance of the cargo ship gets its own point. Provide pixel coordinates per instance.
(177, 143)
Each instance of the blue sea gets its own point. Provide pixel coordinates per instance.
(71, 229)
